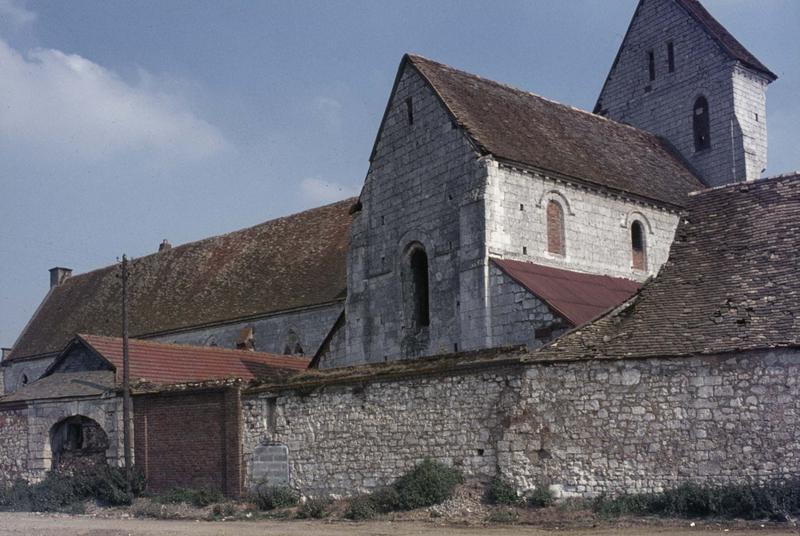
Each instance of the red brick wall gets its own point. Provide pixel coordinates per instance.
(189, 439)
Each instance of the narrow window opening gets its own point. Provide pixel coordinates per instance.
(74, 437)
(24, 379)
(292, 345)
(524, 250)
(410, 110)
(756, 117)
(521, 206)
(701, 124)
(651, 64)
(671, 56)
(555, 228)
(383, 220)
(419, 276)
(637, 246)
(455, 347)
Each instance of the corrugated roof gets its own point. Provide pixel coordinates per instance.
(286, 263)
(173, 363)
(520, 127)
(732, 282)
(578, 297)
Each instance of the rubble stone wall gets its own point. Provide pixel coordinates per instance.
(583, 428)
(13, 443)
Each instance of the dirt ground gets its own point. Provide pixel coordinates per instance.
(27, 524)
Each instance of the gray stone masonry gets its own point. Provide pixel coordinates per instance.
(14, 372)
(736, 94)
(582, 428)
(517, 314)
(269, 465)
(271, 333)
(25, 450)
(597, 225)
(423, 186)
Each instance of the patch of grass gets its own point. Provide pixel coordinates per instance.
(197, 497)
(267, 497)
(502, 492)
(541, 497)
(777, 501)
(361, 507)
(314, 509)
(503, 515)
(429, 483)
(60, 492)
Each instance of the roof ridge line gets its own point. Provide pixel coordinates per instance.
(538, 96)
(212, 237)
(241, 353)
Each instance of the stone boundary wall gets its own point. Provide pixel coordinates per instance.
(13, 443)
(583, 428)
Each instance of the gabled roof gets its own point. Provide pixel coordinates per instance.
(160, 363)
(65, 385)
(724, 38)
(578, 297)
(732, 282)
(727, 42)
(525, 129)
(283, 264)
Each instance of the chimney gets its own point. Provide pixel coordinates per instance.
(4, 353)
(164, 245)
(58, 275)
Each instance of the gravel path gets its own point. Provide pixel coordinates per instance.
(18, 524)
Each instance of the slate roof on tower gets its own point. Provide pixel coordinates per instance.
(722, 36)
(730, 283)
(522, 128)
(283, 264)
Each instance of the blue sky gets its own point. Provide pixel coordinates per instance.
(123, 123)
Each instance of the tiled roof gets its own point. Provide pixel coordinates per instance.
(519, 127)
(287, 263)
(172, 363)
(722, 36)
(732, 282)
(65, 385)
(576, 296)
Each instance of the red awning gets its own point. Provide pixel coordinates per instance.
(577, 297)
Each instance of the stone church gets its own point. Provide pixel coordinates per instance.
(516, 278)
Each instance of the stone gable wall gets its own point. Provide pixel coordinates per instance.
(424, 186)
(519, 317)
(597, 226)
(583, 428)
(14, 371)
(270, 333)
(738, 143)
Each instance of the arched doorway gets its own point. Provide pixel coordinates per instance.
(77, 444)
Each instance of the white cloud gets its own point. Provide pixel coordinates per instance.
(14, 14)
(329, 110)
(64, 105)
(319, 192)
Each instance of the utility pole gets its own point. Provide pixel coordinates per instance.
(126, 385)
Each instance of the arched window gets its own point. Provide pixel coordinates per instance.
(638, 246)
(293, 346)
(702, 124)
(417, 292)
(555, 228)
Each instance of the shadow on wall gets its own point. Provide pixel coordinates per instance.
(78, 444)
